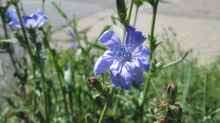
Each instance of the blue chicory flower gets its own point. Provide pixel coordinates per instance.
(35, 20)
(14, 22)
(126, 62)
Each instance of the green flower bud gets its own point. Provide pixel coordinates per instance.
(138, 2)
(122, 11)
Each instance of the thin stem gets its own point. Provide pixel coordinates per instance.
(136, 15)
(146, 90)
(71, 105)
(57, 68)
(103, 113)
(41, 68)
(4, 24)
(152, 69)
(27, 44)
(177, 61)
(105, 106)
(130, 11)
(43, 5)
(152, 40)
(47, 114)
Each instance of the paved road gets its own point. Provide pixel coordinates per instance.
(82, 8)
(73, 8)
(196, 21)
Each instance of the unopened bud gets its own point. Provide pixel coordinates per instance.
(138, 3)
(93, 81)
(171, 92)
(97, 85)
(122, 11)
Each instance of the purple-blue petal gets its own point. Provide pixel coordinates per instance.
(135, 71)
(116, 67)
(110, 39)
(35, 20)
(138, 76)
(141, 55)
(29, 22)
(11, 13)
(133, 38)
(14, 25)
(14, 22)
(119, 81)
(40, 18)
(103, 63)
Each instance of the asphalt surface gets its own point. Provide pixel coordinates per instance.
(203, 9)
(195, 20)
(76, 9)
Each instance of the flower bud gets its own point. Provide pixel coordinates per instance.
(138, 3)
(122, 11)
(92, 81)
(171, 92)
(97, 85)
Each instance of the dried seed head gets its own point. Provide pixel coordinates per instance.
(163, 120)
(163, 104)
(171, 92)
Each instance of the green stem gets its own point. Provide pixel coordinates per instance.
(27, 44)
(152, 41)
(43, 5)
(71, 105)
(136, 15)
(146, 90)
(102, 113)
(58, 70)
(41, 68)
(106, 105)
(47, 114)
(4, 24)
(152, 49)
(130, 11)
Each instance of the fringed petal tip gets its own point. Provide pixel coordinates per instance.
(110, 39)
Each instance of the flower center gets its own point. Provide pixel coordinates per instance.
(123, 54)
